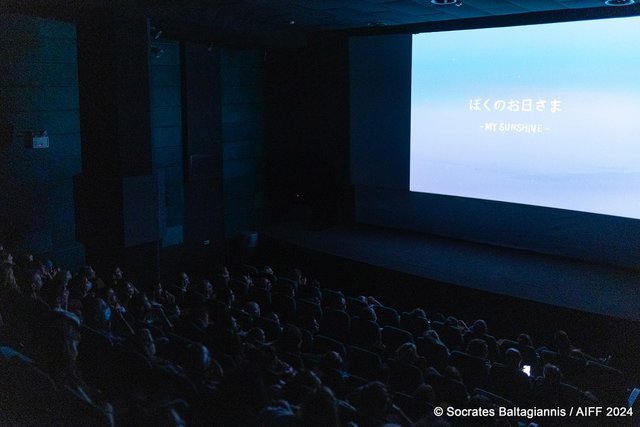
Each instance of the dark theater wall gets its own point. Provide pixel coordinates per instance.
(118, 197)
(166, 137)
(193, 177)
(308, 133)
(39, 91)
(242, 105)
(222, 98)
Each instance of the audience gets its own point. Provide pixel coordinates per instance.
(108, 353)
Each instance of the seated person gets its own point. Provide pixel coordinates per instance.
(98, 316)
(549, 391)
(58, 338)
(331, 372)
(375, 407)
(365, 331)
(335, 322)
(509, 381)
(180, 288)
(405, 374)
(479, 330)
(434, 350)
(449, 387)
(319, 409)
(565, 348)
(144, 314)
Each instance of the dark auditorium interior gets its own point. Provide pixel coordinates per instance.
(205, 219)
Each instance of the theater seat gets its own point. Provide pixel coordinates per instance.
(437, 355)
(308, 308)
(336, 324)
(387, 316)
(285, 307)
(450, 335)
(322, 344)
(414, 324)
(512, 385)
(365, 333)
(572, 368)
(355, 306)
(404, 378)
(365, 363)
(608, 384)
(473, 370)
(394, 338)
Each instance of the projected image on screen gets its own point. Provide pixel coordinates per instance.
(545, 115)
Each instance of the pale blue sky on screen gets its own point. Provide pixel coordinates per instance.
(590, 145)
(563, 54)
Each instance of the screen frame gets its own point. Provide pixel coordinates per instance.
(380, 91)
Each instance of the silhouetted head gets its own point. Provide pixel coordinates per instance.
(407, 353)
(479, 327)
(562, 342)
(319, 409)
(478, 348)
(374, 399)
(368, 313)
(552, 374)
(513, 358)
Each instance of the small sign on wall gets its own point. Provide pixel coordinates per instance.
(40, 141)
(36, 140)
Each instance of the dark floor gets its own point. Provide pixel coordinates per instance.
(556, 281)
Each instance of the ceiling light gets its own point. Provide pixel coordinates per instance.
(446, 2)
(619, 2)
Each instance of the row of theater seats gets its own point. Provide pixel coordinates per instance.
(370, 355)
(232, 350)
